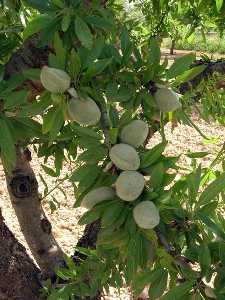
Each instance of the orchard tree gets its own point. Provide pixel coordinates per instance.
(76, 86)
(175, 19)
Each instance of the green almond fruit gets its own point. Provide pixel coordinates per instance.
(129, 185)
(84, 111)
(97, 195)
(135, 133)
(146, 215)
(124, 157)
(210, 292)
(167, 100)
(54, 80)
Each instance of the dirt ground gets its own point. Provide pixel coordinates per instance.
(178, 53)
(64, 220)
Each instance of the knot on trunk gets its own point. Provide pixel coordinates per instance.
(46, 225)
(23, 186)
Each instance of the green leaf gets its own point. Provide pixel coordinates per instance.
(99, 22)
(179, 291)
(86, 175)
(146, 278)
(74, 64)
(113, 134)
(83, 131)
(189, 74)
(16, 99)
(149, 157)
(180, 65)
(157, 175)
(48, 120)
(83, 33)
(37, 24)
(87, 156)
(197, 154)
(94, 53)
(193, 181)
(158, 286)
(59, 3)
(83, 172)
(60, 52)
(111, 214)
(49, 171)
(110, 237)
(204, 258)
(213, 190)
(32, 74)
(7, 146)
(38, 107)
(208, 208)
(42, 6)
(212, 225)
(89, 217)
(52, 122)
(125, 43)
(97, 67)
(66, 22)
(219, 4)
(154, 52)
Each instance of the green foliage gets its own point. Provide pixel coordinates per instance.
(98, 48)
(209, 95)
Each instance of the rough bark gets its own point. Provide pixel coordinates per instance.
(23, 190)
(29, 56)
(18, 273)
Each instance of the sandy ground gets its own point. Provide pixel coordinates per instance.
(64, 220)
(179, 53)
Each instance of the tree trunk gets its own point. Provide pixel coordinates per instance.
(23, 190)
(172, 47)
(18, 273)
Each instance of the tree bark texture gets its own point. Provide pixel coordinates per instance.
(18, 273)
(23, 190)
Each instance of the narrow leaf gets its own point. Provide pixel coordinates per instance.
(213, 190)
(189, 74)
(38, 23)
(151, 156)
(83, 33)
(219, 4)
(180, 65)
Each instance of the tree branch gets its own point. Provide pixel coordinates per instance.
(179, 260)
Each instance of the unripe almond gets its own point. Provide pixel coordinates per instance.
(54, 80)
(129, 185)
(135, 133)
(146, 215)
(124, 157)
(210, 292)
(98, 195)
(84, 111)
(167, 100)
